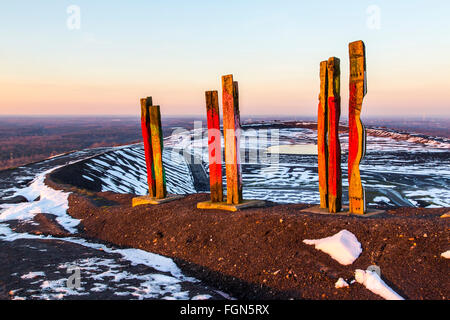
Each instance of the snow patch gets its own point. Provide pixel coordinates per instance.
(202, 297)
(308, 149)
(343, 247)
(341, 283)
(372, 281)
(50, 201)
(160, 263)
(32, 275)
(381, 199)
(57, 290)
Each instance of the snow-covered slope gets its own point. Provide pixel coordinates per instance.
(398, 170)
(124, 171)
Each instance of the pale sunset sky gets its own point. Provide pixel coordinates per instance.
(176, 50)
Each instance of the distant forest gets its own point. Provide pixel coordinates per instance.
(28, 139)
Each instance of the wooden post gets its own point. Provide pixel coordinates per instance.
(231, 131)
(153, 144)
(322, 136)
(357, 132)
(214, 146)
(157, 145)
(146, 135)
(231, 128)
(334, 148)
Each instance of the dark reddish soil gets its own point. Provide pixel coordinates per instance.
(42, 223)
(260, 254)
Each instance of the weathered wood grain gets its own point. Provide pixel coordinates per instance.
(322, 145)
(157, 146)
(357, 135)
(231, 127)
(146, 135)
(214, 146)
(334, 148)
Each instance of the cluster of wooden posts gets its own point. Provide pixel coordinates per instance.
(153, 146)
(231, 133)
(329, 151)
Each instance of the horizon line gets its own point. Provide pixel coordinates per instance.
(275, 116)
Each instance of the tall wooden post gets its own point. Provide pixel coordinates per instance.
(146, 135)
(334, 148)
(153, 145)
(214, 146)
(357, 132)
(322, 127)
(157, 146)
(231, 128)
(231, 131)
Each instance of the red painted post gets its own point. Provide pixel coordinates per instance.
(214, 146)
(146, 135)
(322, 145)
(357, 132)
(231, 128)
(334, 148)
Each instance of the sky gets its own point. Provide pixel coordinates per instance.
(53, 63)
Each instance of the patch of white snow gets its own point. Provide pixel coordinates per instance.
(341, 283)
(343, 247)
(374, 283)
(32, 275)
